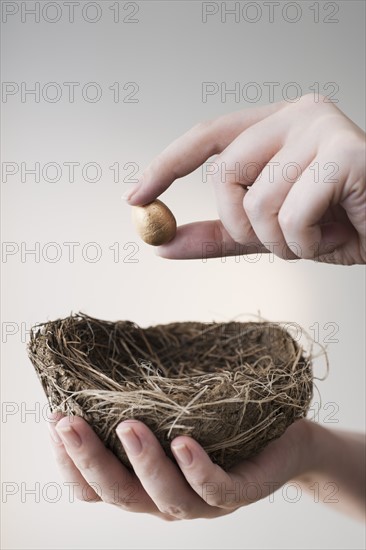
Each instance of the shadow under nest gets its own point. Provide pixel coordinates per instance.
(232, 386)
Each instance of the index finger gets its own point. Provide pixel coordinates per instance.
(192, 149)
(101, 468)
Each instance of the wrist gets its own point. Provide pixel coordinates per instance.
(315, 448)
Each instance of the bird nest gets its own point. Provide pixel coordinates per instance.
(232, 386)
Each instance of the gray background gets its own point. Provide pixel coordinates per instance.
(168, 52)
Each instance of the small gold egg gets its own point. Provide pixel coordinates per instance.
(154, 223)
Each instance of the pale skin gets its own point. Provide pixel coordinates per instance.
(329, 464)
(290, 178)
(326, 221)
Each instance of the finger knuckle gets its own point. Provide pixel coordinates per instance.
(178, 511)
(112, 499)
(62, 461)
(119, 501)
(312, 99)
(151, 471)
(344, 145)
(87, 463)
(221, 500)
(205, 133)
(155, 167)
(240, 235)
(255, 204)
(230, 503)
(168, 518)
(288, 221)
(226, 173)
(215, 500)
(215, 494)
(86, 494)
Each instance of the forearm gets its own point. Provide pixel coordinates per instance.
(337, 467)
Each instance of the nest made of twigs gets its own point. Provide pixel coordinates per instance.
(232, 386)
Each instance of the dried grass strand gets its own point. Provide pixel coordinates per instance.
(233, 386)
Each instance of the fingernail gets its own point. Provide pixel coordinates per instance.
(128, 194)
(183, 454)
(129, 439)
(69, 436)
(54, 435)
